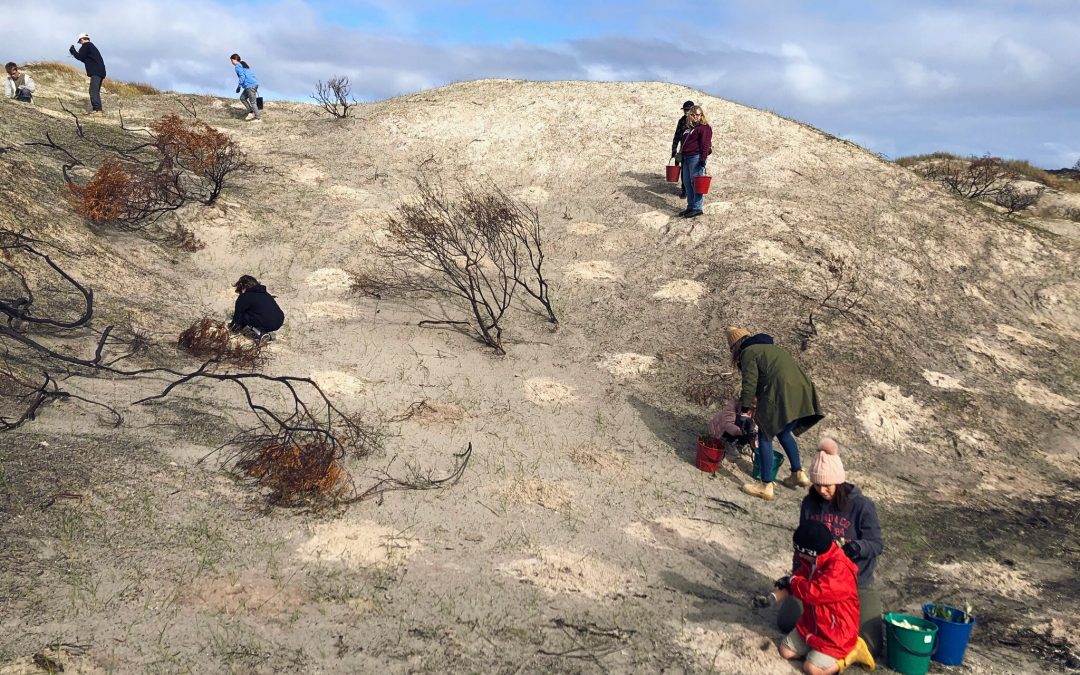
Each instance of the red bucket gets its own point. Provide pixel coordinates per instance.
(701, 184)
(709, 453)
(673, 171)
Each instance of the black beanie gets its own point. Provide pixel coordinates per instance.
(812, 538)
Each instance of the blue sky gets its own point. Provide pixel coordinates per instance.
(897, 76)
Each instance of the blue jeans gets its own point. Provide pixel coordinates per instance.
(691, 166)
(765, 451)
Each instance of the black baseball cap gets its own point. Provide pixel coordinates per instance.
(686, 106)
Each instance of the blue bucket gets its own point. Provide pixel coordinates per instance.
(953, 635)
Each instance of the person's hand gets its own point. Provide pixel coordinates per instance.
(237, 89)
(72, 50)
(702, 166)
(745, 424)
(783, 582)
(851, 549)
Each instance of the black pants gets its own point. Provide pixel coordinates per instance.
(869, 617)
(95, 91)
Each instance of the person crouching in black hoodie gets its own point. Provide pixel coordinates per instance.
(256, 313)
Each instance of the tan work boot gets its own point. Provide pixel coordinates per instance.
(797, 479)
(763, 490)
(859, 656)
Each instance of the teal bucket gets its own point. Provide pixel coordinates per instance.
(778, 459)
(908, 650)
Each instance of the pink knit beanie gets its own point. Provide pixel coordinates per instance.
(826, 467)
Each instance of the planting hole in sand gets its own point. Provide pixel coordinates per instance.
(1000, 357)
(533, 196)
(329, 279)
(330, 310)
(543, 391)
(305, 173)
(360, 543)
(585, 228)
(558, 571)
(628, 365)
(246, 593)
(602, 460)
(654, 220)
(716, 651)
(681, 290)
(943, 381)
(989, 576)
(593, 270)
(1038, 395)
(549, 495)
(887, 415)
(337, 382)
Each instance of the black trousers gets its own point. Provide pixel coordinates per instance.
(95, 91)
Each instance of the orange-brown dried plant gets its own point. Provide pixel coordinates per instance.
(194, 146)
(297, 473)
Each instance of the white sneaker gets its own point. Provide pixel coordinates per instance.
(250, 116)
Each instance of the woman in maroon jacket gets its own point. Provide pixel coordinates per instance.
(696, 148)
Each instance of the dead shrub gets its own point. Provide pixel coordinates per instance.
(476, 247)
(295, 473)
(1014, 200)
(335, 96)
(211, 339)
(127, 194)
(971, 177)
(209, 157)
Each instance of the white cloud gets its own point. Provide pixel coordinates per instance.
(901, 75)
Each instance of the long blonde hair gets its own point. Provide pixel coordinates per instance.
(697, 109)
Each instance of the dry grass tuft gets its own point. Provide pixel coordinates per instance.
(67, 71)
(211, 339)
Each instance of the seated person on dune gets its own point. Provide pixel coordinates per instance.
(256, 312)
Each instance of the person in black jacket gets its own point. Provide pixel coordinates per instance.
(680, 129)
(256, 312)
(95, 69)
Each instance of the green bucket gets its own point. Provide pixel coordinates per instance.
(778, 459)
(909, 650)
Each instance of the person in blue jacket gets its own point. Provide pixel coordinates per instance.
(248, 87)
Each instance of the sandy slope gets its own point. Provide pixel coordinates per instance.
(951, 383)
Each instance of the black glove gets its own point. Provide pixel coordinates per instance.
(783, 583)
(851, 549)
(237, 89)
(763, 601)
(702, 166)
(72, 50)
(746, 424)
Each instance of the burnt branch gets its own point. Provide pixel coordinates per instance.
(335, 96)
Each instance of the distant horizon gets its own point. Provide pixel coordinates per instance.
(970, 77)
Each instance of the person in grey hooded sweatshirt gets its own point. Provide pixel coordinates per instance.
(853, 521)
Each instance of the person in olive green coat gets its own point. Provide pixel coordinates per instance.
(787, 404)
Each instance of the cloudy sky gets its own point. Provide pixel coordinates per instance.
(897, 76)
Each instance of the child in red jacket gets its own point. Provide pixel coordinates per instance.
(826, 582)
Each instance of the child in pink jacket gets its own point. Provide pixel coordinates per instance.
(724, 427)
